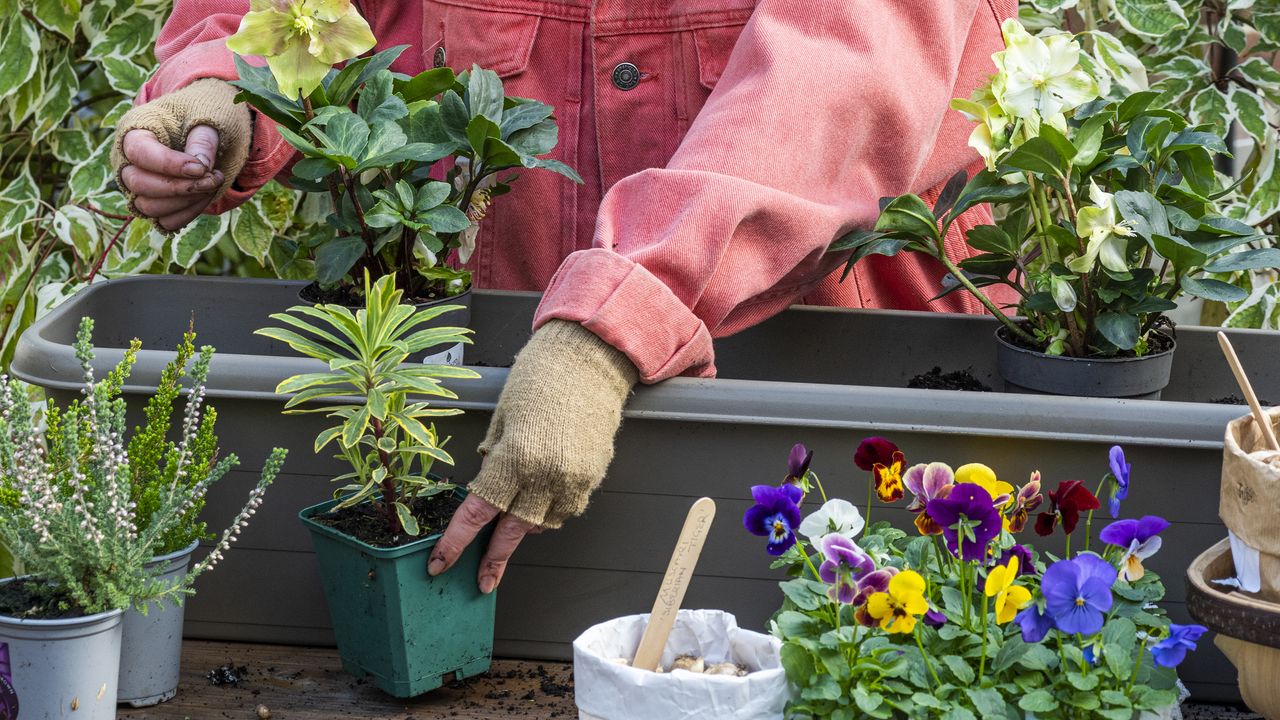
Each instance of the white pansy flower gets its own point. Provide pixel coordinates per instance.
(835, 516)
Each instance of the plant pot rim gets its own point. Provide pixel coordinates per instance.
(1231, 614)
(175, 555)
(306, 515)
(1001, 330)
(72, 622)
(460, 298)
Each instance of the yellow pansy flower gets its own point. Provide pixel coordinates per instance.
(1010, 598)
(897, 609)
(984, 477)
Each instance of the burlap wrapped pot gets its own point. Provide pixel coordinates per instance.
(1249, 499)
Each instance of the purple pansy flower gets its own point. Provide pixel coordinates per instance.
(844, 564)
(1025, 565)
(1171, 651)
(1035, 624)
(1077, 593)
(776, 515)
(1139, 539)
(1120, 471)
(798, 464)
(935, 619)
(972, 503)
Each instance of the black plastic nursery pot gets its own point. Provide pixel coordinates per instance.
(408, 631)
(1123, 377)
(825, 377)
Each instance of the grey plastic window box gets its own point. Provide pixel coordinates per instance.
(820, 376)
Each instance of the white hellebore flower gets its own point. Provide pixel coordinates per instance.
(835, 516)
(990, 136)
(1040, 78)
(1107, 235)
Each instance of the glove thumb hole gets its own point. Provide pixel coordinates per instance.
(496, 428)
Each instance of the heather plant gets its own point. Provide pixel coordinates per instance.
(390, 448)
(70, 514)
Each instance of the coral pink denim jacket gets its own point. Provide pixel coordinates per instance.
(724, 145)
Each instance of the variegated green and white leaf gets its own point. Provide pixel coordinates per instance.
(1259, 72)
(60, 16)
(1267, 24)
(117, 111)
(19, 53)
(92, 175)
(1183, 66)
(1152, 18)
(70, 145)
(19, 201)
(78, 228)
(251, 231)
(1264, 196)
(61, 87)
(1123, 66)
(198, 236)
(24, 101)
(124, 75)
(129, 35)
(1256, 310)
(1250, 111)
(1209, 107)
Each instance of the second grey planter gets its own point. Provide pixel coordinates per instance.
(151, 651)
(1139, 377)
(63, 668)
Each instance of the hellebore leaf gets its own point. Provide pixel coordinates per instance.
(1211, 289)
(1120, 329)
(908, 215)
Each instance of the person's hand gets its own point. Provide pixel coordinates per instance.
(548, 447)
(178, 153)
(169, 186)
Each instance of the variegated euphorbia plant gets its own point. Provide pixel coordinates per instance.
(1110, 209)
(370, 137)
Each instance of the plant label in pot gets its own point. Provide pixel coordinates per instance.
(607, 688)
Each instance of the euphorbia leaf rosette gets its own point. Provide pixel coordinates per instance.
(927, 482)
(1137, 540)
(1120, 469)
(776, 515)
(301, 39)
(897, 609)
(844, 563)
(1077, 593)
(1065, 505)
(1040, 78)
(1171, 651)
(835, 516)
(966, 509)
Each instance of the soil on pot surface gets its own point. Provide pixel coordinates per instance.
(935, 379)
(1157, 342)
(368, 525)
(346, 296)
(30, 599)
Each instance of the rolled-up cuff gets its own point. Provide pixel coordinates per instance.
(631, 309)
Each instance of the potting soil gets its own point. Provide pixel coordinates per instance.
(368, 525)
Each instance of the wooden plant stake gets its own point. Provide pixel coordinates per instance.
(1259, 417)
(679, 571)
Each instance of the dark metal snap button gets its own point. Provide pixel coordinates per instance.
(626, 76)
(439, 59)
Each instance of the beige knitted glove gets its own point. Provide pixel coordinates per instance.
(204, 102)
(551, 438)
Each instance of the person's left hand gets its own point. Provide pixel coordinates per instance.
(467, 522)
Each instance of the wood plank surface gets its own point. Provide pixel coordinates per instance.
(299, 683)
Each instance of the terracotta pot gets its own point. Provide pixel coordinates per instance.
(1248, 629)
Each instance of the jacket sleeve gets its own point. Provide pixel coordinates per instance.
(192, 46)
(824, 108)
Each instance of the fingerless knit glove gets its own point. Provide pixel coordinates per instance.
(204, 102)
(551, 437)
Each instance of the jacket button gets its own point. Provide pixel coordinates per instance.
(626, 76)
(439, 59)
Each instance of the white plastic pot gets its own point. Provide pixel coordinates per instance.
(63, 668)
(607, 690)
(151, 649)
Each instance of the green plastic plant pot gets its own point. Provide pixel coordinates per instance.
(408, 631)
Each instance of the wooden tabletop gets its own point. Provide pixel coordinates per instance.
(295, 683)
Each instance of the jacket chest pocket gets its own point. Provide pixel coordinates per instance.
(706, 53)
(460, 34)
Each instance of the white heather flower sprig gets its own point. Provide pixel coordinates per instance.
(67, 508)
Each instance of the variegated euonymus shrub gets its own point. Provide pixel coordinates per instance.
(1214, 62)
(69, 506)
(68, 70)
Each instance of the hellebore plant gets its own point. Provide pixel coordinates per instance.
(1110, 210)
(966, 621)
(370, 140)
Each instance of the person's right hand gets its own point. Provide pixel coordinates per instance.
(170, 186)
(179, 152)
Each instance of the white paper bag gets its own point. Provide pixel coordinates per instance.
(606, 690)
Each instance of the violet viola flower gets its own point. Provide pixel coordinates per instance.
(1035, 624)
(970, 505)
(776, 515)
(874, 451)
(1171, 651)
(1139, 539)
(798, 464)
(1120, 471)
(1077, 593)
(927, 482)
(844, 564)
(1025, 566)
(935, 619)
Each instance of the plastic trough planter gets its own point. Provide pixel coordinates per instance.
(823, 376)
(151, 650)
(394, 623)
(1248, 629)
(66, 668)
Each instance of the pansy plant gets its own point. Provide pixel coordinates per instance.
(1110, 210)
(407, 165)
(959, 619)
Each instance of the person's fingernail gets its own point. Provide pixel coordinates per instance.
(207, 183)
(487, 582)
(435, 566)
(194, 169)
(208, 164)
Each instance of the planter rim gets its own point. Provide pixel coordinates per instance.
(1001, 330)
(68, 623)
(175, 555)
(1248, 619)
(306, 516)
(460, 299)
